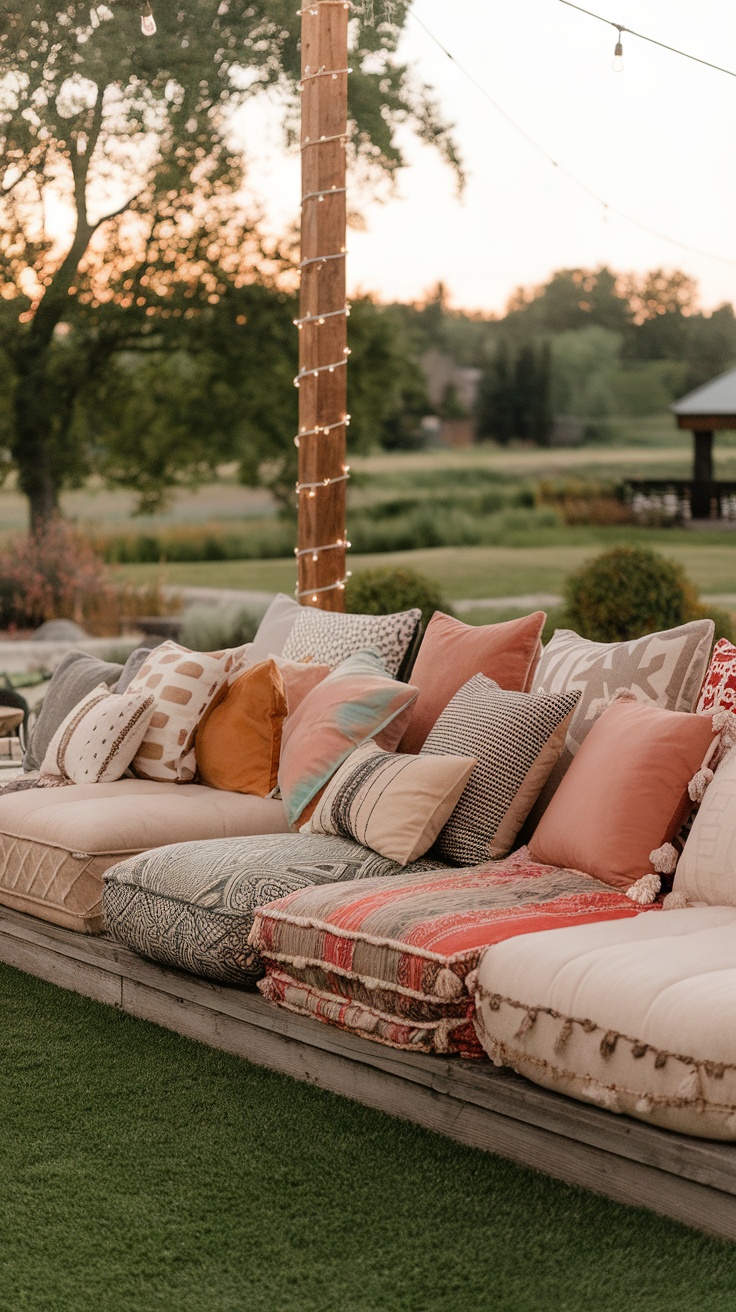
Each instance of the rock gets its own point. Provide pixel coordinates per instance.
(59, 631)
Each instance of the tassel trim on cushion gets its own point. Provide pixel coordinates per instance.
(675, 902)
(646, 889)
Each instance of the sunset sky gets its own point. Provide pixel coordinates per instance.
(658, 141)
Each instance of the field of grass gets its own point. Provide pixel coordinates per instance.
(142, 1172)
(468, 572)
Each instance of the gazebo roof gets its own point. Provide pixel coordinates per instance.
(718, 397)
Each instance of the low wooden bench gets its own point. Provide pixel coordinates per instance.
(690, 1180)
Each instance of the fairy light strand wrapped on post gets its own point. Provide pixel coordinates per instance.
(323, 308)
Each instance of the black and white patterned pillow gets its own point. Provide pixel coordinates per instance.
(329, 637)
(516, 738)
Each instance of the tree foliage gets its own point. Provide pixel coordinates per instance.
(123, 221)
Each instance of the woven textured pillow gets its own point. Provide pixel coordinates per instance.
(516, 737)
(665, 669)
(356, 701)
(97, 741)
(183, 684)
(76, 675)
(452, 652)
(395, 805)
(388, 959)
(329, 638)
(191, 905)
(706, 871)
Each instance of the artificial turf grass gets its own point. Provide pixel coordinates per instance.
(142, 1172)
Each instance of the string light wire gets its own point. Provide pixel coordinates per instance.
(652, 40)
(572, 177)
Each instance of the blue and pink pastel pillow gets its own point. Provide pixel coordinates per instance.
(357, 701)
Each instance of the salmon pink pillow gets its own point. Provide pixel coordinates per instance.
(625, 794)
(357, 701)
(453, 652)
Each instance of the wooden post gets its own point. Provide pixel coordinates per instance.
(702, 489)
(322, 307)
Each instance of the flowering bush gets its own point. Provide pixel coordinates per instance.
(57, 575)
(48, 576)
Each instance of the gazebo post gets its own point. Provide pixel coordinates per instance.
(322, 307)
(702, 474)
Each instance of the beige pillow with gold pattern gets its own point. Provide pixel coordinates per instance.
(184, 685)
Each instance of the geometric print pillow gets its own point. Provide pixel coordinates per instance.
(665, 669)
(516, 738)
(183, 684)
(329, 637)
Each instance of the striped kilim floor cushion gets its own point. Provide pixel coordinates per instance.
(388, 960)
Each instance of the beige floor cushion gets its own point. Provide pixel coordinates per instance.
(638, 1016)
(56, 842)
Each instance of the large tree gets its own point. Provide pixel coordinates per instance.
(123, 223)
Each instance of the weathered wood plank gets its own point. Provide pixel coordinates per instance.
(692, 1180)
(575, 1163)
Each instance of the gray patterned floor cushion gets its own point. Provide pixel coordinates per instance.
(192, 904)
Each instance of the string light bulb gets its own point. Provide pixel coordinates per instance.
(148, 22)
(618, 54)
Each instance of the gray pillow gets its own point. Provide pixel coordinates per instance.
(274, 629)
(132, 666)
(75, 676)
(192, 905)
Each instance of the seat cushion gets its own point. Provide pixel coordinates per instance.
(400, 949)
(637, 1016)
(56, 842)
(192, 904)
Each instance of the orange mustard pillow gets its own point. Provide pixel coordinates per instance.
(625, 793)
(453, 652)
(239, 743)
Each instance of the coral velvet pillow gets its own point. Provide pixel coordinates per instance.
(239, 741)
(625, 793)
(356, 701)
(452, 652)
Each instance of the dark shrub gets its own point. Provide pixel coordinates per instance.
(631, 591)
(383, 591)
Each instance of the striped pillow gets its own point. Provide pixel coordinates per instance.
(97, 741)
(395, 805)
(516, 737)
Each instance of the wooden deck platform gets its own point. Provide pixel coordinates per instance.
(691, 1180)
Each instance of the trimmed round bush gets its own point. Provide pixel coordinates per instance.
(628, 592)
(385, 591)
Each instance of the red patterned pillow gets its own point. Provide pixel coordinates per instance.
(719, 685)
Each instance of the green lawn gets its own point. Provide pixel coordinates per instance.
(145, 1173)
(474, 571)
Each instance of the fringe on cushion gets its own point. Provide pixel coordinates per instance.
(53, 781)
(725, 723)
(698, 784)
(447, 984)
